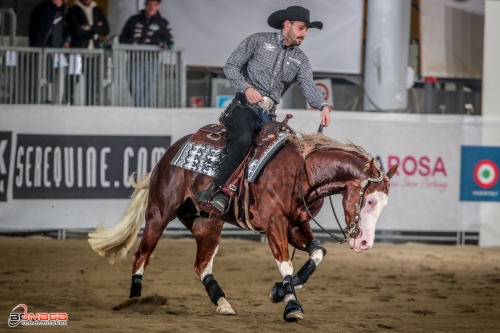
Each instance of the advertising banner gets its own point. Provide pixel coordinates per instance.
(68, 168)
(479, 174)
(82, 166)
(5, 147)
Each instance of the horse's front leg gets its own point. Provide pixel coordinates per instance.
(302, 238)
(207, 232)
(278, 241)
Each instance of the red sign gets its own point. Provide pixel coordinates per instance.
(196, 102)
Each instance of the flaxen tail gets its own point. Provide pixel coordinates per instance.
(115, 242)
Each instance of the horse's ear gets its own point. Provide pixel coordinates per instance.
(373, 169)
(392, 171)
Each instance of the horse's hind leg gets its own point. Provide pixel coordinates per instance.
(158, 215)
(207, 232)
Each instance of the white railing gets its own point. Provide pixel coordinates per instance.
(125, 75)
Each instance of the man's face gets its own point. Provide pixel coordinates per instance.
(58, 3)
(295, 32)
(152, 8)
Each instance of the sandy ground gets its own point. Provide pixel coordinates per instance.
(399, 288)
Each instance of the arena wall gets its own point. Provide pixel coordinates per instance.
(67, 167)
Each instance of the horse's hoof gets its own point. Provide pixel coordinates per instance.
(294, 316)
(224, 307)
(293, 311)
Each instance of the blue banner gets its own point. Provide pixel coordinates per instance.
(479, 174)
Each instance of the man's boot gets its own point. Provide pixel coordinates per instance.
(219, 200)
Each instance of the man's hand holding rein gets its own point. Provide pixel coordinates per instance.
(325, 115)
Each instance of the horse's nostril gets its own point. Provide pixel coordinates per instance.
(363, 243)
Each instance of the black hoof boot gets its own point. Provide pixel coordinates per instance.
(293, 311)
(135, 289)
(278, 293)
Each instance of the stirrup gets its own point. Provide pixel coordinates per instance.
(220, 201)
(204, 195)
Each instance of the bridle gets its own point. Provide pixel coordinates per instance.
(352, 230)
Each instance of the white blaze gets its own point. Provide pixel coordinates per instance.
(373, 205)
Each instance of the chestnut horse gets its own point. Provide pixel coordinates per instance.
(288, 192)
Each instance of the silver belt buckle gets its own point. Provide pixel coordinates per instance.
(266, 105)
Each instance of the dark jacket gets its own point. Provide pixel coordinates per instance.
(43, 31)
(153, 31)
(80, 37)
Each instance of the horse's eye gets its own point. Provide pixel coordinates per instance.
(370, 202)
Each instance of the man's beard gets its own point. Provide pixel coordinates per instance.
(293, 38)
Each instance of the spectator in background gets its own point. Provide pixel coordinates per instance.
(150, 28)
(47, 25)
(86, 22)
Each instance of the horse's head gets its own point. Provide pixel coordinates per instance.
(363, 201)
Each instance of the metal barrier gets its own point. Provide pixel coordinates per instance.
(126, 75)
(8, 12)
(72, 76)
(147, 76)
(20, 73)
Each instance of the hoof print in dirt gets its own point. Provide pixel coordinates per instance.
(145, 305)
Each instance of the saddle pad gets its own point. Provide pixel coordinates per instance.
(205, 159)
(199, 157)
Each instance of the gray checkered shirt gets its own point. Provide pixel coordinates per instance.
(262, 62)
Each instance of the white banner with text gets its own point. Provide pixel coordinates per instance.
(68, 168)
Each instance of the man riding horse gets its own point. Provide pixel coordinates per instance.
(261, 69)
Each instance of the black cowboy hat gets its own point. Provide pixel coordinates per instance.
(292, 13)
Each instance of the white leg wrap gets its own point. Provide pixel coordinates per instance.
(285, 267)
(317, 256)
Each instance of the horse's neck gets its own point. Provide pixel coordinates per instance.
(330, 171)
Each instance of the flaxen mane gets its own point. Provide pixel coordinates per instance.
(308, 143)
